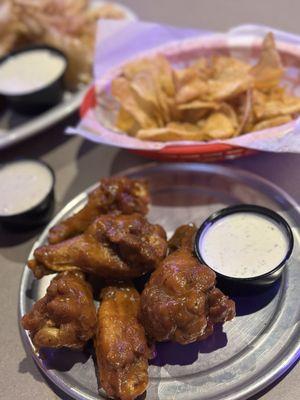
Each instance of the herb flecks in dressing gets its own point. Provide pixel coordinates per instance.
(244, 245)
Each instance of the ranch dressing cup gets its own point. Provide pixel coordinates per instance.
(245, 245)
(31, 78)
(27, 198)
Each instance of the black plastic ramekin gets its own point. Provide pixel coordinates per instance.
(257, 280)
(37, 215)
(40, 99)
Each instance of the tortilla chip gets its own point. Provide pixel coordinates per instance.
(224, 78)
(143, 84)
(126, 123)
(268, 71)
(191, 91)
(166, 77)
(153, 81)
(189, 85)
(122, 91)
(276, 103)
(158, 65)
(175, 113)
(134, 67)
(220, 90)
(228, 68)
(221, 124)
(172, 132)
(146, 88)
(185, 76)
(218, 126)
(165, 104)
(229, 78)
(277, 108)
(193, 116)
(196, 110)
(271, 123)
(203, 66)
(198, 105)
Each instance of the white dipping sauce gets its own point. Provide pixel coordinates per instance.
(243, 245)
(29, 71)
(23, 185)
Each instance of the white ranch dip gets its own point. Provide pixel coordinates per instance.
(243, 245)
(29, 71)
(23, 185)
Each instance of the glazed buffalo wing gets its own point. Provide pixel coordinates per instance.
(184, 237)
(180, 301)
(65, 316)
(120, 344)
(120, 247)
(113, 195)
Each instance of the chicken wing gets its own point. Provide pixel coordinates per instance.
(120, 344)
(120, 247)
(180, 301)
(184, 237)
(113, 195)
(65, 316)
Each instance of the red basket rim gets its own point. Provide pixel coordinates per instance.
(89, 102)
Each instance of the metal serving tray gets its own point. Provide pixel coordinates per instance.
(249, 352)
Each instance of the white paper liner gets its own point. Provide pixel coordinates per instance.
(119, 41)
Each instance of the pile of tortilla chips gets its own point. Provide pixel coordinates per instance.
(216, 98)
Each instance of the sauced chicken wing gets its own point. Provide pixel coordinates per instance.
(184, 237)
(120, 247)
(180, 301)
(113, 195)
(120, 344)
(65, 316)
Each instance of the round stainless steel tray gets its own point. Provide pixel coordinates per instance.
(246, 354)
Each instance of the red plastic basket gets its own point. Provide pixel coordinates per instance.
(192, 153)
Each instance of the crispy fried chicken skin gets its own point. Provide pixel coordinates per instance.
(180, 302)
(184, 237)
(120, 344)
(65, 316)
(113, 247)
(113, 195)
